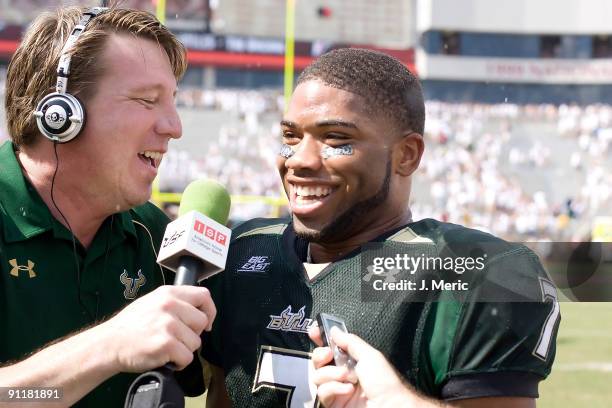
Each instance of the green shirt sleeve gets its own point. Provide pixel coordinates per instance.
(500, 341)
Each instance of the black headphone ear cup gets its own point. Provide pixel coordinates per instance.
(60, 117)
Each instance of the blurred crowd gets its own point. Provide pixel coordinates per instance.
(243, 102)
(241, 156)
(481, 162)
(533, 172)
(477, 170)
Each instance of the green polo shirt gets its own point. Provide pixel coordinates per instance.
(42, 296)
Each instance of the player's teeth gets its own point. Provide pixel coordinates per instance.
(306, 191)
(323, 191)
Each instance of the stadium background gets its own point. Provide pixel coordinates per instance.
(518, 129)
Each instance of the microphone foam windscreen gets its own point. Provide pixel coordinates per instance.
(209, 198)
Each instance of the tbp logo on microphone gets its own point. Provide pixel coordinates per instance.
(196, 235)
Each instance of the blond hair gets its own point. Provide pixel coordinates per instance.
(32, 72)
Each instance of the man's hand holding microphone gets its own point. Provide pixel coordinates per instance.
(167, 330)
(160, 327)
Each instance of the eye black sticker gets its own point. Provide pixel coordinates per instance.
(286, 151)
(344, 150)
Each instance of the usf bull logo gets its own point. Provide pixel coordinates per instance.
(132, 285)
(16, 268)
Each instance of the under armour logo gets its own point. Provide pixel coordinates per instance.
(16, 268)
(132, 285)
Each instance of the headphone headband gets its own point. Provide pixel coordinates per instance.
(63, 68)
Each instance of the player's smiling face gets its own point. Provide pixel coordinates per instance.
(333, 197)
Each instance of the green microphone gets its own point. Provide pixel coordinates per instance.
(195, 245)
(207, 197)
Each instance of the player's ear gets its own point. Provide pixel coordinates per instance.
(407, 153)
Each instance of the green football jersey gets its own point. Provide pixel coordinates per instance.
(495, 339)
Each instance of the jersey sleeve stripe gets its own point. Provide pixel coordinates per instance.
(499, 384)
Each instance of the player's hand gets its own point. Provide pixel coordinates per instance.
(378, 384)
(160, 327)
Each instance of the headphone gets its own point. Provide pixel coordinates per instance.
(60, 116)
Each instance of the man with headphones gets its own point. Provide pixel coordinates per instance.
(90, 111)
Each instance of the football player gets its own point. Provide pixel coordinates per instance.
(352, 139)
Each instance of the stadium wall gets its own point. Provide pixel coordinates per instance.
(545, 51)
(517, 16)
